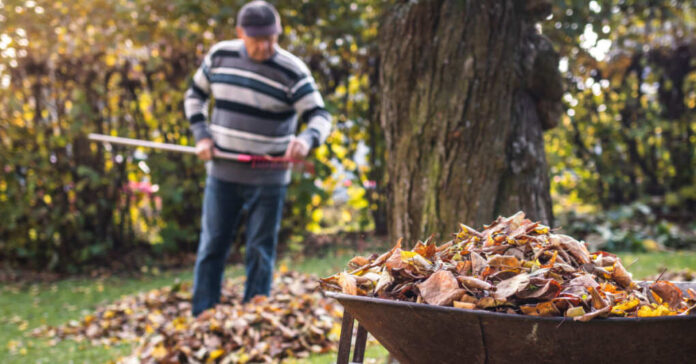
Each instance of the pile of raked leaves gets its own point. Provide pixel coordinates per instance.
(294, 322)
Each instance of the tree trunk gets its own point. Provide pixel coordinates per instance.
(467, 88)
(375, 140)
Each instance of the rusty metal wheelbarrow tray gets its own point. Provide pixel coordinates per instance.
(420, 333)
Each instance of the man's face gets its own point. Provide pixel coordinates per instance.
(258, 48)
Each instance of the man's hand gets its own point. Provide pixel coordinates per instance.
(297, 149)
(204, 149)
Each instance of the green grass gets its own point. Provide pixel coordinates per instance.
(643, 265)
(23, 308)
(26, 307)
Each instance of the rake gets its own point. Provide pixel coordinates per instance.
(256, 161)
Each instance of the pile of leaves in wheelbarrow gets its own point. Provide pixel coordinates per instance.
(515, 266)
(294, 321)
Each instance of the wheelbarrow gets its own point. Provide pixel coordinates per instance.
(421, 333)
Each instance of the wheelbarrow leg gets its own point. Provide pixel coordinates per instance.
(344, 342)
(360, 342)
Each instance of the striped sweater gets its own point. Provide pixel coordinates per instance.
(256, 109)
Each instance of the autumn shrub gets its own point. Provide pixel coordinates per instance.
(68, 69)
(637, 227)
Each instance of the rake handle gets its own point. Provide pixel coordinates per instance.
(244, 158)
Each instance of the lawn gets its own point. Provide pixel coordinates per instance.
(23, 308)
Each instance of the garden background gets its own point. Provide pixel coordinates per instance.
(83, 223)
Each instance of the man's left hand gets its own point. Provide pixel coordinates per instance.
(297, 149)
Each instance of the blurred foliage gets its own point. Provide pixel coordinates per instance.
(634, 227)
(119, 67)
(628, 132)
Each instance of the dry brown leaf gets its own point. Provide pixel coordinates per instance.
(466, 305)
(597, 301)
(511, 286)
(358, 262)
(668, 292)
(474, 283)
(545, 289)
(463, 268)
(541, 309)
(503, 261)
(589, 316)
(478, 263)
(490, 302)
(347, 283)
(395, 261)
(574, 247)
(440, 289)
(620, 275)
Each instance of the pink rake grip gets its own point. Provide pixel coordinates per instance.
(239, 157)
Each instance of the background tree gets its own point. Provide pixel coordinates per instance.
(625, 142)
(629, 67)
(467, 88)
(626, 145)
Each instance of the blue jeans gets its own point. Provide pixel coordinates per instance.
(223, 204)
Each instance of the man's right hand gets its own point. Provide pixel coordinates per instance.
(204, 149)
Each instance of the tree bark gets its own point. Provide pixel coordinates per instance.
(375, 141)
(467, 88)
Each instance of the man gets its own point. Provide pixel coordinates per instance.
(260, 92)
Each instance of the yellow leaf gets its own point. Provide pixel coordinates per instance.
(317, 215)
(346, 216)
(243, 358)
(214, 355)
(215, 325)
(408, 255)
(179, 323)
(651, 245)
(654, 310)
(339, 150)
(89, 319)
(575, 311)
(621, 308)
(335, 332)
(159, 352)
(541, 230)
(110, 60)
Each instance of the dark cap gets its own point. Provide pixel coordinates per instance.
(259, 18)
